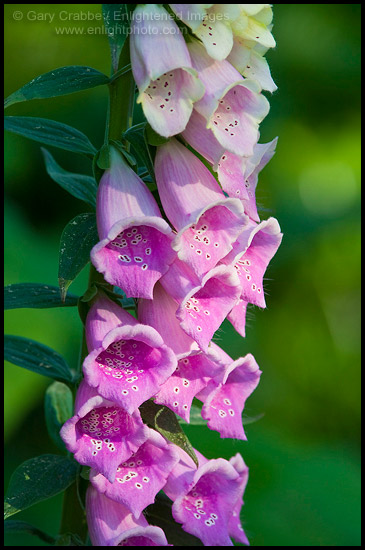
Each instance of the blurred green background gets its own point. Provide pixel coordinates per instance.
(304, 486)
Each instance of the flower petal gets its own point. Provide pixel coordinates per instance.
(184, 184)
(112, 524)
(168, 101)
(101, 434)
(160, 313)
(205, 509)
(191, 375)
(135, 254)
(130, 365)
(102, 317)
(251, 255)
(224, 405)
(237, 317)
(141, 477)
(234, 525)
(205, 307)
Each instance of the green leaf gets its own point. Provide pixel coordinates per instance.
(36, 357)
(159, 513)
(50, 132)
(19, 527)
(78, 185)
(116, 21)
(163, 420)
(58, 405)
(77, 239)
(62, 81)
(153, 138)
(136, 137)
(38, 479)
(35, 295)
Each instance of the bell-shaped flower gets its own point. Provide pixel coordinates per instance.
(203, 305)
(128, 361)
(141, 477)
(251, 254)
(135, 241)
(206, 220)
(211, 24)
(237, 175)
(204, 502)
(225, 401)
(168, 85)
(232, 106)
(248, 58)
(101, 434)
(254, 24)
(111, 523)
(235, 527)
(181, 482)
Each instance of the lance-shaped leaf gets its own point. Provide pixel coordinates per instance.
(78, 185)
(36, 357)
(163, 420)
(17, 527)
(35, 295)
(57, 408)
(38, 479)
(116, 21)
(77, 239)
(62, 81)
(50, 132)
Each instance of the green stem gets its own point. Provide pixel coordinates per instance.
(73, 517)
(121, 99)
(120, 117)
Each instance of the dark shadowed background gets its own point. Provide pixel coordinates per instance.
(303, 453)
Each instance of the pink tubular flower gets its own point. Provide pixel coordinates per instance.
(237, 175)
(141, 477)
(207, 222)
(112, 524)
(225, 401)
(181, 482)
(204, 502)
(231, 105)
(101, 434)
(251, 254)
(168, 85)
(203, 305)
(128, 361)
(135, 246)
